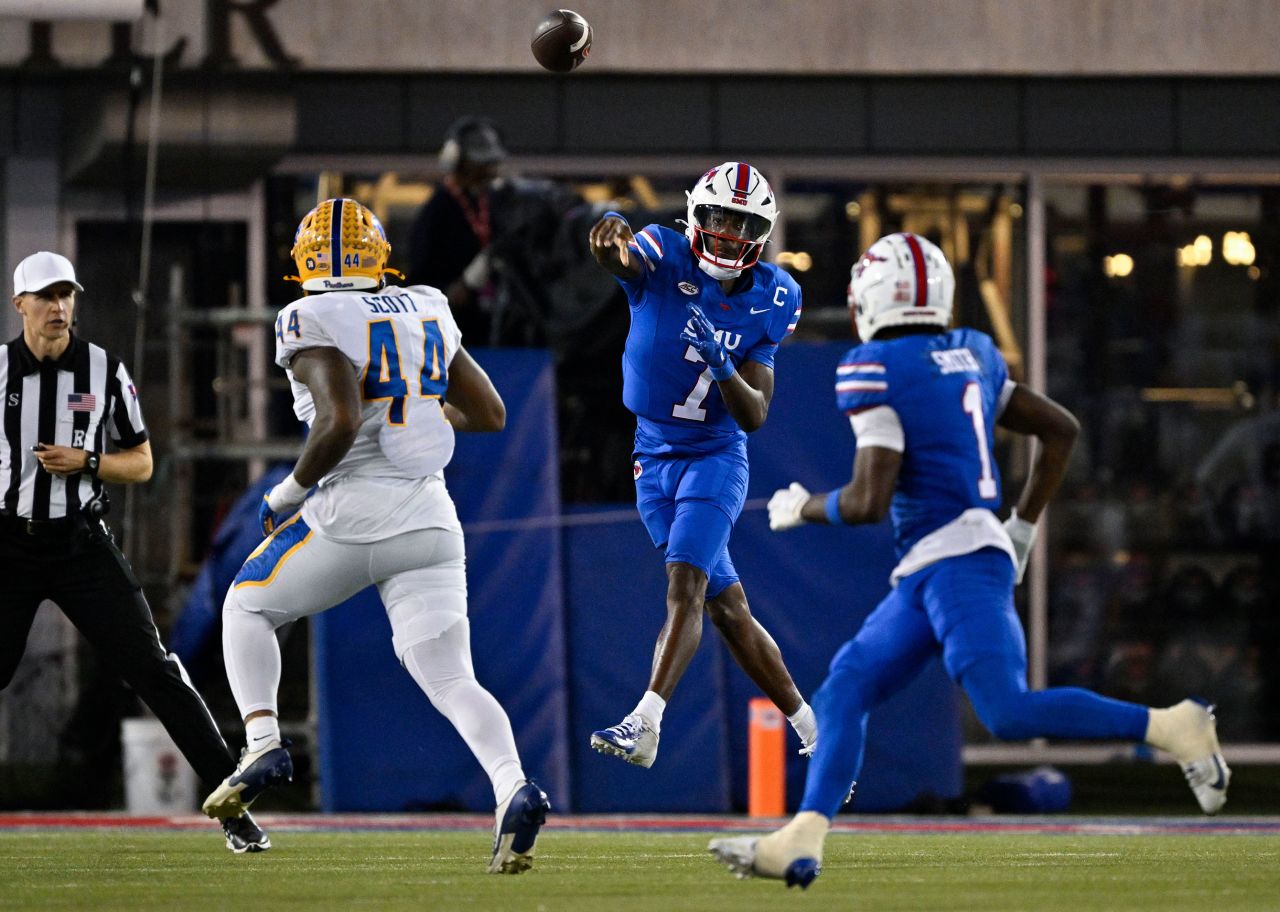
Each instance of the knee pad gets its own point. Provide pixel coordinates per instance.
(235, 611)
(441, 663)
(422, 604)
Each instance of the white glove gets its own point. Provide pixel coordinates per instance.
(280, 500)
(1023, 536)
(476, 275)
(785, 506)
(286, 495)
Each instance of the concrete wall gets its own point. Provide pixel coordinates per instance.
(874, 37)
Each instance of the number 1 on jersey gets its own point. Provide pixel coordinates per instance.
(973, 408)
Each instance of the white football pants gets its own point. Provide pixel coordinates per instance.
(421, 577)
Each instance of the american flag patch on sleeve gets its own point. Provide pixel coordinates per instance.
(81, 402)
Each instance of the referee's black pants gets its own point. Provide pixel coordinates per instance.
(79, 568)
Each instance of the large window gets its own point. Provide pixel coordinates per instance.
(1162, 338)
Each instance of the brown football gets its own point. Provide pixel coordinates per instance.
(561, 41)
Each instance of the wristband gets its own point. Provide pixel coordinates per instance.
(833, 508)
(724, 371)
(1020, 530)
(618, 215)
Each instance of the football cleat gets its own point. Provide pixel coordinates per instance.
(739, 854)
(516, 825)
(244, 834)
(792, 854)
(634, 739)
(254, 774)
(1202, 762)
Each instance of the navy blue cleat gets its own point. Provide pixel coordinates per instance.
(516, 825)
(254, 774)
(244, 834)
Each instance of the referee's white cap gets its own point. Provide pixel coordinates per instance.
(40, 270)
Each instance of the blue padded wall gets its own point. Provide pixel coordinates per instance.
(616, 601)
(565, 614)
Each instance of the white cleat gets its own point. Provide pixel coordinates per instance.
(792, 854)
(1201, 758)
(738, 853)
(634, 739)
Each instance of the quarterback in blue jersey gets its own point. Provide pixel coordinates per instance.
(706, 320)
(923, 402)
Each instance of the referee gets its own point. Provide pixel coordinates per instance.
(62, 399)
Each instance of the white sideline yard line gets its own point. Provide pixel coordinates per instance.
(1241, 754)
(11, 823)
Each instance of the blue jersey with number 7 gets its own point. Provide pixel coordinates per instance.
(666, 385)
(946, 390)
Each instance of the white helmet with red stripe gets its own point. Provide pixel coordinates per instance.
(902, 280)
(732, 211)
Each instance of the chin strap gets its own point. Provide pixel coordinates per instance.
(718, 272)
(395, 272)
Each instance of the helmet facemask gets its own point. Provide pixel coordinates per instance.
(731, 212)
(729, 238)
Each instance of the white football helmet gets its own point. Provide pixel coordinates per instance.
(732, 211)
(902, 280)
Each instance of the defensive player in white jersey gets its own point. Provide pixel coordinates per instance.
(380, 377)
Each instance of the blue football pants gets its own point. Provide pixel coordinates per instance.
(689, 506)
(963, 607)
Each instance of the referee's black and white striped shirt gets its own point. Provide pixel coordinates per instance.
(76, 400)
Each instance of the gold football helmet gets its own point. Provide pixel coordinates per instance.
(340, 245)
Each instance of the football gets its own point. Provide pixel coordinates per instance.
(561, 41)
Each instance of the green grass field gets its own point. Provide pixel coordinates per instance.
(145, 869)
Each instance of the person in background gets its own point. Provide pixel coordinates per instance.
(449, 242)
